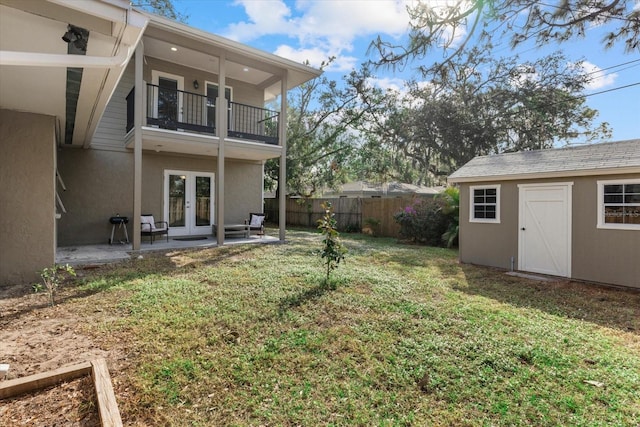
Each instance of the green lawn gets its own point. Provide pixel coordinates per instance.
(248, 335)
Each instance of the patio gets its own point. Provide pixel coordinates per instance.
(102, 254)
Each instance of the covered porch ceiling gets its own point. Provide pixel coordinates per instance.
(34, 60)
(170, 141)
(177, 43)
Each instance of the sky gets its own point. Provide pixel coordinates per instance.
(315, 30)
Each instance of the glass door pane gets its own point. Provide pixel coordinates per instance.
(212, 94)
(177, 200)
(168, 102)
(203, 201)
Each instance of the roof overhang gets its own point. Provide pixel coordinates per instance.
(34, 60)
(544, 175)
(201, 50)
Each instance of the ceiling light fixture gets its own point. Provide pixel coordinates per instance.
(174, 49)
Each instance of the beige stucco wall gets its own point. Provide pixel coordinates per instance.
(27, 195)
(488, 243)
(601, 255)
(597, 255)
(100, 185)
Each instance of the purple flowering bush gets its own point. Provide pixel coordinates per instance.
(423, 221)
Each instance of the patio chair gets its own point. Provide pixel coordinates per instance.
(256, 223)
(152, 228)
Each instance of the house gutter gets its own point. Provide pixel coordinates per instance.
(31, 59)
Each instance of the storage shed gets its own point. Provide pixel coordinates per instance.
(571, 212)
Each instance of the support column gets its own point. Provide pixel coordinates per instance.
(221, 126)
(137, 145)
(282, 179)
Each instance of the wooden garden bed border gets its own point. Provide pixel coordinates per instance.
(107, 405)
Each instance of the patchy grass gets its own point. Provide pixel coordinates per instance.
(404, 335)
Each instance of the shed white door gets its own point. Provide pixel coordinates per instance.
(544, 243)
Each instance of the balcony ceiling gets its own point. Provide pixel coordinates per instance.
(200, 49)
(169, 141)
(203, 61)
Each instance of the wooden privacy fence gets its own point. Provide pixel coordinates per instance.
(352, 214)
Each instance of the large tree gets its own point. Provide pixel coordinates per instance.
(449, 26)
(322, 131)
(477, 105)
(164, 8)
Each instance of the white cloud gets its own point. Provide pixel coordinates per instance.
(389, 83)
(403, 88)
(597, 78)
(316, 56)
(321, 28)
(265, 17)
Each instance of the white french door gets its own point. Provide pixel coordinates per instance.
(189, 202)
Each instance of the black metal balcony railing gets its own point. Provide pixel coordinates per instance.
(247, 122)
(176, 109)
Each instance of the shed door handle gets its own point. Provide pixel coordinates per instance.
(522, 229)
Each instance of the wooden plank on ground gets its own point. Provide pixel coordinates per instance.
(4, 370)
(107, 405)
(34, 382)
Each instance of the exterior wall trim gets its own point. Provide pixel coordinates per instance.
(495, 220)
(556, 174)
(600, 193)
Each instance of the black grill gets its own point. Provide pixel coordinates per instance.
(119, 220)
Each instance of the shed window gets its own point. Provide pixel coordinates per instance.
(485, 204)
(619, 204)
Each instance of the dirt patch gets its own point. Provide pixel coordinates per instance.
(68, 404)
(36, 338)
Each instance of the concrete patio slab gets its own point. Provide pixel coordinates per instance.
(103, 254)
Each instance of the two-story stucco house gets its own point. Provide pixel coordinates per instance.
(107, 110)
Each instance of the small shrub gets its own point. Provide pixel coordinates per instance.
(52, 278)
(352, 228)
(333, 251)
(423, 221)
(371, 226)
(451, 196)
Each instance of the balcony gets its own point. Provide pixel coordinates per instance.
(194, 113)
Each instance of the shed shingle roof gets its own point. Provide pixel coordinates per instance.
(621, 156)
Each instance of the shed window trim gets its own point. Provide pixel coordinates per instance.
(486, 198)
(619, 199)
